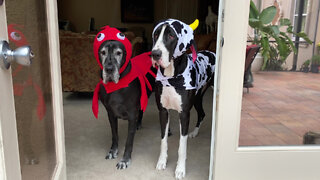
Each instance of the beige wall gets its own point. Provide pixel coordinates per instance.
(318, 34)
(108, 12)
(305, 51)
(287, 6)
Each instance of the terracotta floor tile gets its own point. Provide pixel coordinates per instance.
(280, 108)
(246, 115)
(278, 128)
(290, 138)
(297, 127)
(246, 135)
(250, 142)
(271, 140)
(259, 131)
(267, 120)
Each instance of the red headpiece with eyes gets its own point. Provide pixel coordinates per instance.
(106, 34)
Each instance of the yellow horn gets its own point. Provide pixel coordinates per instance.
(195, 24)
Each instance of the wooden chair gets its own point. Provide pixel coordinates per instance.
(251, 53)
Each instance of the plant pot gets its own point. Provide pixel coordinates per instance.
(305, 69)
(314, 68)
(257, 63)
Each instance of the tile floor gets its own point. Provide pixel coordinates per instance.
(280, 108)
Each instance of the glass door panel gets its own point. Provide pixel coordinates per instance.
(27, 25)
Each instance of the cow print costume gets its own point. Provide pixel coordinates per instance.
(200, 67)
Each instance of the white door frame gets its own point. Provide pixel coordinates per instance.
(220, 42)
(9, 152)
(56, 84)
(249, 163)
(9, 157)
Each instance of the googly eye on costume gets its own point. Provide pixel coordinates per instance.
(100, 37)
(16, 36)
(121, 36)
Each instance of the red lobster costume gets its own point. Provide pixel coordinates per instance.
(18, 38)
(140, 66)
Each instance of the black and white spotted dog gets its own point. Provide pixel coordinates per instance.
(181, 82)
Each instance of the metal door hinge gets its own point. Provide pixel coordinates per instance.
(222, 18)
(222, 41)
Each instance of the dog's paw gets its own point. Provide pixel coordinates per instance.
(138, 126)
(123, 164)
(194, 133)
(180, 171)
(113, 153)
(162, 163)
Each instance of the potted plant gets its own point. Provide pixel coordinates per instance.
(305, 66)
(315, 63)
(276, 45)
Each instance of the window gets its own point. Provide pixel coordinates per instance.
(304, 15)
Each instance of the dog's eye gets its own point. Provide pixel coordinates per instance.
(118, 53)
(121, 36)
(103, 52)
(171, 36)
(100, 37)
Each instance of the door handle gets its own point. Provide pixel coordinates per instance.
(22, 55)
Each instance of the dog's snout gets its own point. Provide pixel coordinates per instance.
(109, 69)
(156, 54)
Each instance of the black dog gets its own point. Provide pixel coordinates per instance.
(181, 82)
(125, 102)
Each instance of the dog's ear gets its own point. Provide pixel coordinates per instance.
(193, 49)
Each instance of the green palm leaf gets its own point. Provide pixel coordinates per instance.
(268, 14)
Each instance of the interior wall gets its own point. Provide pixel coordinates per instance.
(104, 12)
(108, 12)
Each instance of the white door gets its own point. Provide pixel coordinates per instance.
(255, 162)
(31, 113)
